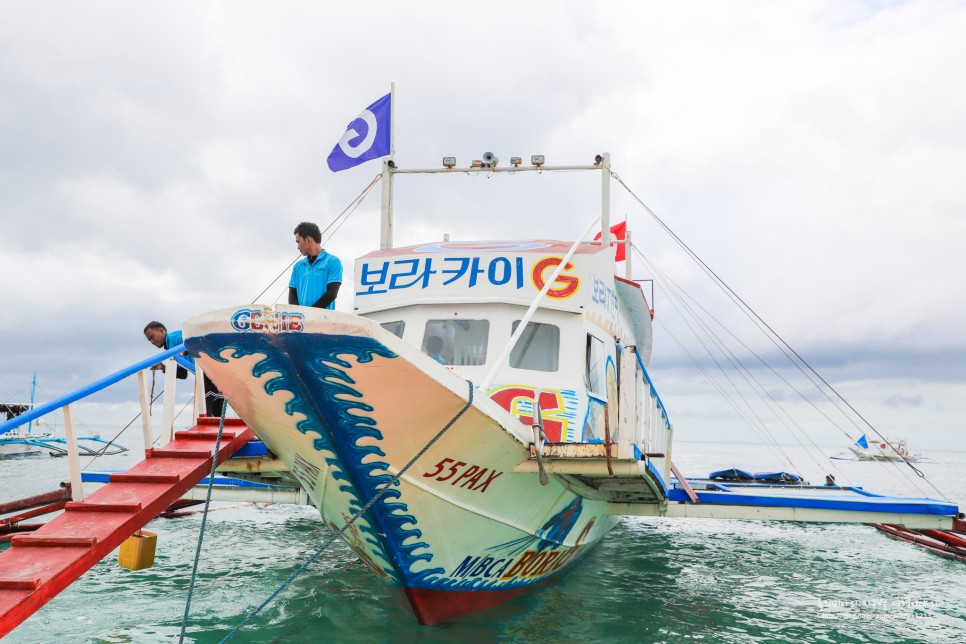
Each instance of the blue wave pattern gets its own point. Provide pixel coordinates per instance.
(310, 367)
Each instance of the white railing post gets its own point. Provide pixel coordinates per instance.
(201, 403)
(73, 455)
(145, 408)
(167, 416)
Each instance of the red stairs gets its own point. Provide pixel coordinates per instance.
(39, 565)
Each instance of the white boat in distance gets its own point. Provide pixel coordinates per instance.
(883, 450)
(18, 442)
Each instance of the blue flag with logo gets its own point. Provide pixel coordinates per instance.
(862, 442)
(366, 137)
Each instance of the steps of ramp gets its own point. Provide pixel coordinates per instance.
(39, 565)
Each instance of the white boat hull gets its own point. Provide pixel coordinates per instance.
(346, 405)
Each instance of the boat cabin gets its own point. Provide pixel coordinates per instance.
(460, 303)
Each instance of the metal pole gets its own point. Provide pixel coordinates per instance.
(145, 409)
(167, 417)
(485, 385)
(385, 228)
(73, 455)
(33, 393)
(605, 199)
(57, 403)
(627, 255)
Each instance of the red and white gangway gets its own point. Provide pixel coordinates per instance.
(42, 563)
(39, 565)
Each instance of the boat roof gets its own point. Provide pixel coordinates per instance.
(540, 246)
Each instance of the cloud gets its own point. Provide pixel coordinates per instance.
(155, 160)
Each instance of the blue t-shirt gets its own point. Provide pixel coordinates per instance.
(173, 339)
(311, 281)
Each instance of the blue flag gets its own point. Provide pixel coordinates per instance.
(367, 137)
(862, 442)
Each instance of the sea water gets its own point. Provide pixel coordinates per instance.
(649, 580)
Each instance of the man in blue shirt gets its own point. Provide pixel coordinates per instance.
(158, 335)
(316, 278)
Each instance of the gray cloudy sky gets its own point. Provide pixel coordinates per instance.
(154, 158)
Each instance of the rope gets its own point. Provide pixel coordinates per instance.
(344, 215)
(204, 520)
(838, 401)
(355, 516)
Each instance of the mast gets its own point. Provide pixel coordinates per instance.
(33, 393)
(385, 229)
(605, 199)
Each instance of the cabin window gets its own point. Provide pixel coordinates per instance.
(457, 342)
(596, 364)
(538, 347)
(396, 328)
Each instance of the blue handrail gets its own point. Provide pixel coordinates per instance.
(660, 403)
(94, 387)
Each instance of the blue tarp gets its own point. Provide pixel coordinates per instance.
(733, 474)
(778, 477)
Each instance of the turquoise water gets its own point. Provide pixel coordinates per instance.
(649, 581)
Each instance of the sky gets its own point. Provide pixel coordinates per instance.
(155, 157)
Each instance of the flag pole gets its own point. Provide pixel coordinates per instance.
(605, 200)
(385, 228)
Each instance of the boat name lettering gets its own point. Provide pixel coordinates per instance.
(401, 274)
(603, 294)
(472, 476)
(533, 563)
(568, 284)
(488, 567)
(259, 321)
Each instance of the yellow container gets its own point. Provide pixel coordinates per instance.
(137, 551)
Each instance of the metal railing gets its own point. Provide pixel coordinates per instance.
(172, 357)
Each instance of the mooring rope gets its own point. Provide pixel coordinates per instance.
(344, 216)
(354, 517)
(204, 520)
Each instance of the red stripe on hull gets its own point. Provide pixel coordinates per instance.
(431, 607)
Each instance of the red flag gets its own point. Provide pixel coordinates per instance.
(619, 231)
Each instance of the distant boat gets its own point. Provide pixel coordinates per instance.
(19, 442)
(883, 450)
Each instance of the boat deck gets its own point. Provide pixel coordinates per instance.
(823, 504)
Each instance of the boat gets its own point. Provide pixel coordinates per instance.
(346, 400)
(26, 442)
(484, 416)
(883, 450)
(479, 364)
(476, 425)
(20, 442)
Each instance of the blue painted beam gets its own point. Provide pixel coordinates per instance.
(94, 387)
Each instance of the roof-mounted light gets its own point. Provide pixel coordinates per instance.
(537, 160)
(449, 162)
